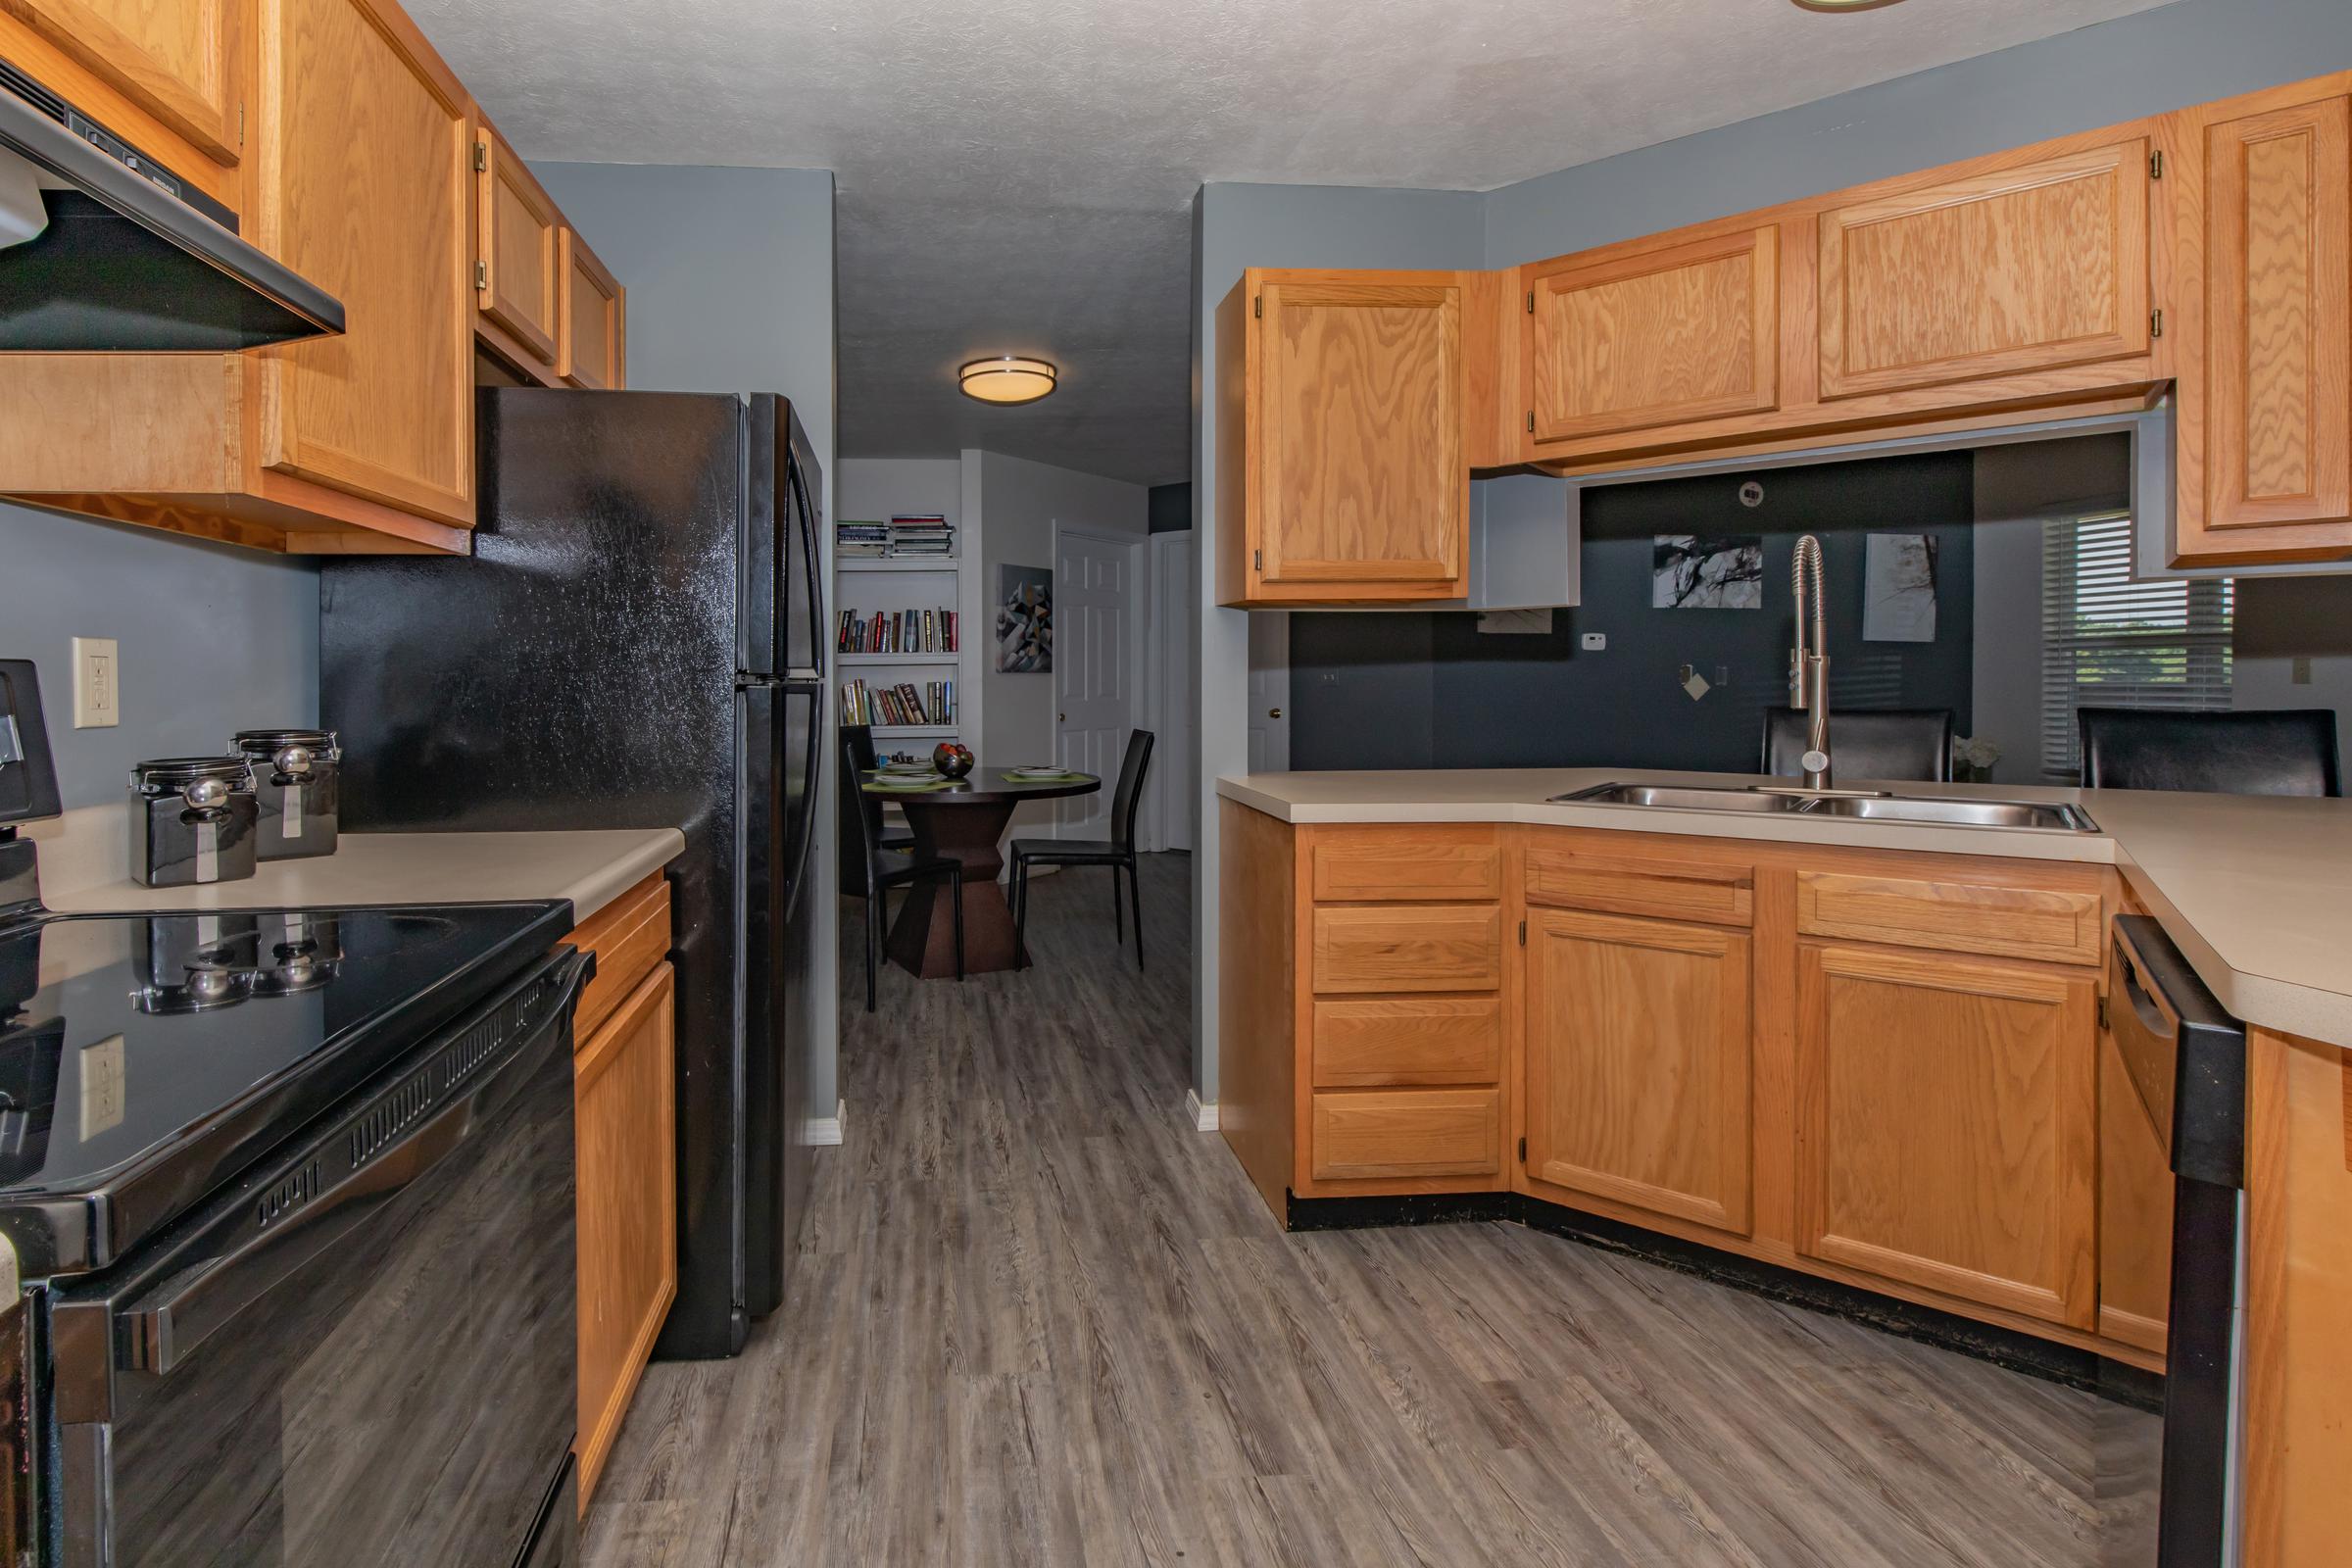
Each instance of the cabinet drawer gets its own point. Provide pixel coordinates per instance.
(1422, 1041)
(628, 936)
(2060, 926)
(1407, 864)
(1624, 884)
(1430, 1132)
(1430, 947)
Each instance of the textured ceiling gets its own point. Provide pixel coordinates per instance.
(1015, 175)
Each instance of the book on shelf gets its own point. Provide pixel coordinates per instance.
(901, 705)
(898, 631)
(908, 535)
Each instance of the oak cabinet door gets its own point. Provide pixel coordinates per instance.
(1361, 482)
(179, 59)
(622, 1096)
(367, 189)
(1637, 1041)
(2022, 269)
(1948, 1124)
(594, 312)
(1686, 334)
(2278, 384)
(518, 234)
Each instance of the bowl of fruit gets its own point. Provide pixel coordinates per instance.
(952, 759)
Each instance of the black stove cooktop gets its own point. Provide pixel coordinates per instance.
(147, 1060)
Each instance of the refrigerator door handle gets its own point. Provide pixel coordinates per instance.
(810, 768)
(812, 557)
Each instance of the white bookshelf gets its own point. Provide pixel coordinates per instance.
(870, 585)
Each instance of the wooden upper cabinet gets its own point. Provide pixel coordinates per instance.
(1666, 337)
(181, 61)
(1638, 1046)
(2263, 218)
(1342, 430)
(594, 312)
(366, 149)
(1948, 1124)
(2020, 268)
(519, 238)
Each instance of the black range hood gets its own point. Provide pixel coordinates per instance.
(130, 259)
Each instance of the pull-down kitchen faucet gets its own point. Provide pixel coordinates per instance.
(1812, 671)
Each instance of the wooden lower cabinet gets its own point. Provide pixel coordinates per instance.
(1948, 1124)
(1880, 1068)
(623, 1101)
(1637, 1040)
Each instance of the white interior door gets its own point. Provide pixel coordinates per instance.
(1097, 634)
(1269, 691)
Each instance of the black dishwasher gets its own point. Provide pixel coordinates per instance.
(2187, 1060)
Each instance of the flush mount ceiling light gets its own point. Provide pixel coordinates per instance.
(1006, 379)
(1844, 5)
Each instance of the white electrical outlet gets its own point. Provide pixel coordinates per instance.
(103, 1093)
(97, 683)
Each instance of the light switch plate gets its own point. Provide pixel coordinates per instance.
(97, 683)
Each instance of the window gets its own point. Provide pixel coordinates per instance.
(2109, 642)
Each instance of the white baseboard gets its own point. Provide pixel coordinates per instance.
(822, 1132)
(1204, 1117)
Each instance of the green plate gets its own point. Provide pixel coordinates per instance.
(911, 786)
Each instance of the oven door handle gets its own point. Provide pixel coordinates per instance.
(2154, 1017)
(164, 1328)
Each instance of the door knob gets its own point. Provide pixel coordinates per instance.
(1064, 717)
(1273, 712)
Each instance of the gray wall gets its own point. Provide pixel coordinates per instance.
(730, 281)
(1435, 691)
(212, 639)
(2138, 64)
(1273, 225)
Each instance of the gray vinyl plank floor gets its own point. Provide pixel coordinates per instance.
(1039, 1319)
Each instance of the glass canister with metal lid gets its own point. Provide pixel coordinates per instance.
(297, 783)
(191, 821)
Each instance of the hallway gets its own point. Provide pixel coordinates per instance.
(1040, 1320)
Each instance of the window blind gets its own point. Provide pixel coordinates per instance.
(2109, 642)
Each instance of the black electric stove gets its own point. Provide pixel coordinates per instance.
(286, 1199)
(147, 1060)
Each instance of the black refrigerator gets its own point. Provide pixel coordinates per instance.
(637, 641)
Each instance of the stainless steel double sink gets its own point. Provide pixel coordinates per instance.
(1764, 800)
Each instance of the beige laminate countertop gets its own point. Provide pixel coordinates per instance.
(590, 867)
(2255, 889)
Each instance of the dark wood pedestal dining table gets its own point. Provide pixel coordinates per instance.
(964, 821)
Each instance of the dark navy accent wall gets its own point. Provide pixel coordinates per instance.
(1171, 507)
(1430, 690)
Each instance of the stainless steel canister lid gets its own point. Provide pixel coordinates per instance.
(204, 780)
(292, 753)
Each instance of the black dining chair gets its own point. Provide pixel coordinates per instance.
(1117, 853)
(888, 868)
(2287, 750)
(1906, 744)
(860, 739)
